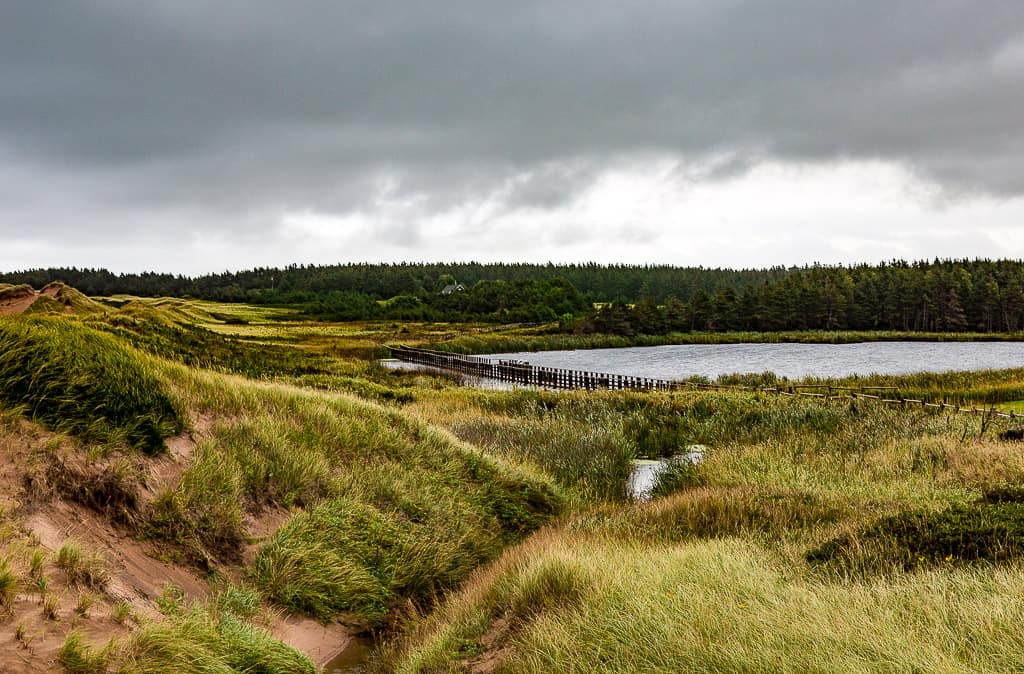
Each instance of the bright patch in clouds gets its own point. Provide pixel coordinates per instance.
(652, 212)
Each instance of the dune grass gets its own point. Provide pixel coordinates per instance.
(76, 380)
(386, 509)
(813, 536)
(721, 605)
(83, 567)
(215, 636)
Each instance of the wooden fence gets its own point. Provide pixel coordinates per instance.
(522, 372)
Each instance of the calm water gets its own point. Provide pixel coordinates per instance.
(789, 360)
(646, 472)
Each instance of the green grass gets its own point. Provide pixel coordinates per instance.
(77, 380)
(83, 567)
(915, 510)
(458, 545)
(977, 532)
(203, 514)
(212, 637)
(8, 585)
(720, 605)
(77, 657)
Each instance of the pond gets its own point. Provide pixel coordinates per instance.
(794, 361)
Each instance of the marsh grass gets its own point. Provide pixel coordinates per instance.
(77, 380)
(716, 512)
(839, 536)
(592, 460)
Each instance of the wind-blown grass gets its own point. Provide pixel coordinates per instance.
(717, 605)
(214, 637)
(77, 380)
(395, 510)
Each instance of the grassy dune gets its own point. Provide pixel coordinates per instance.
(395, 509)
(80, 381)
(382, 512)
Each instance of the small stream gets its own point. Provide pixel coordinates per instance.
(352, 659)
(646, 472)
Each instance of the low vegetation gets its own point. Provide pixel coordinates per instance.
(82, 567)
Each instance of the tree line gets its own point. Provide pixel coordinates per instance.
(937, 295)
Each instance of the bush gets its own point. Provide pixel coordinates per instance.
(987, 532)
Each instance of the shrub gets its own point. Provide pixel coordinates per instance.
(970, 533)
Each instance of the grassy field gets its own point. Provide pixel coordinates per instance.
(491, 530)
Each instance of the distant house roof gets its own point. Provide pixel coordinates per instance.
(452, 287)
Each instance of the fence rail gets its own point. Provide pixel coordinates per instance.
(522, 372)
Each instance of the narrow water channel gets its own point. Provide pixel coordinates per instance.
(644, 478)
(352, 659)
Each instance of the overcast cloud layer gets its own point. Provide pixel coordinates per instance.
(190, 136)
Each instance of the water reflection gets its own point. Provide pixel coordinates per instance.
(352, 659)
(642, 480)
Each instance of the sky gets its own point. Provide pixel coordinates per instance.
(192, 137)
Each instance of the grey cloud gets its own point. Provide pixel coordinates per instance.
(235, 108)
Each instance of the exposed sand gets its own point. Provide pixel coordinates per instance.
(139, 570)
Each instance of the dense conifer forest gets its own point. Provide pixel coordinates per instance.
(935, 296)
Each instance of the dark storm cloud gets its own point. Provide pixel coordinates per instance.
(238, 108)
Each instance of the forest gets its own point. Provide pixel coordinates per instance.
(926, 296)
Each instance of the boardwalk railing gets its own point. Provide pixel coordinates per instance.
(522, 372)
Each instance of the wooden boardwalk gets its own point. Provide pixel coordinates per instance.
(522, 372)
